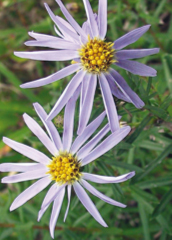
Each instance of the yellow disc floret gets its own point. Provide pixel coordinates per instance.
(64, 168)
(97, 55)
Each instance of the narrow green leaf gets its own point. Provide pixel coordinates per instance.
(164, 201)
(144, 220)
(157, 111)
(147, 196)
(137, 132)
(149, 86)
(153, 164)
(124, 165)
(149, 208)
(168, 75)
(18, 135)
(160, 8)
(157, 182)
(11, 77)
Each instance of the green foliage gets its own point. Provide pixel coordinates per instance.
(147, 150)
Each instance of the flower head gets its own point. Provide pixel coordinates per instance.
(63, 168)
(93, 58)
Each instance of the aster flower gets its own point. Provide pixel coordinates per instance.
(92, 59)
(64, 169)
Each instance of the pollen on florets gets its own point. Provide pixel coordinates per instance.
(97, 55)
(64, 168)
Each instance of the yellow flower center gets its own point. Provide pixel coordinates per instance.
(97, 55)
(64, 168)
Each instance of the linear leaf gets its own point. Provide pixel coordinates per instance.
(152, 165)
(164, 201)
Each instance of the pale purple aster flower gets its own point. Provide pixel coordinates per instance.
(93, 58)
(63, 170)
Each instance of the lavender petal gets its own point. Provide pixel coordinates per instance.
(91, 19)
(109, 103)
(68, 124)
(98, 194)
(27, 151)
(30, 192)
(51, 129)
(40, 134)
(57, 44)
(20, 167)
(70, 19)
(102, 18)
(93, 142)
(55, 211)
(49, 198)
(69, 188)
(104, 179)
(67, 93)
(57, 55)
(25, 176)
(137, 68)
(136, 53)
(125, 89)
(66, 71)
(88, 204)
(60, 24)
(106, 145)
(87, 104)
(89, 130)
(116, 91)
(130, 37)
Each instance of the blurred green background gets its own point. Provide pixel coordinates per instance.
(147, 150)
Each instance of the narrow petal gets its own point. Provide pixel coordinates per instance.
(66, 34)
(105, 179)
(65, 23)
(88, 204)
(91, 19)
(109, 103)
(93, 142)
(98, 194)
(55, 211)
(42, 37)
(51, 129)
(69, 188)
(102, 18)
(30, 192)
(25, 176)
(20, 167)
(125, 89)
(87, 104)
(89, 130)
(57, 44)
(86, 28)
(136, 53)
(130, 37)
(116, 91)
(40, 134)
(137, 68)
(69, 124)
(67, 94)
(70, 19)
(66, 71)
(84, 87)
(57, 55)
(106, 145)
(49, 198)
(59, 34)
(63, 28)
(27, 151)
